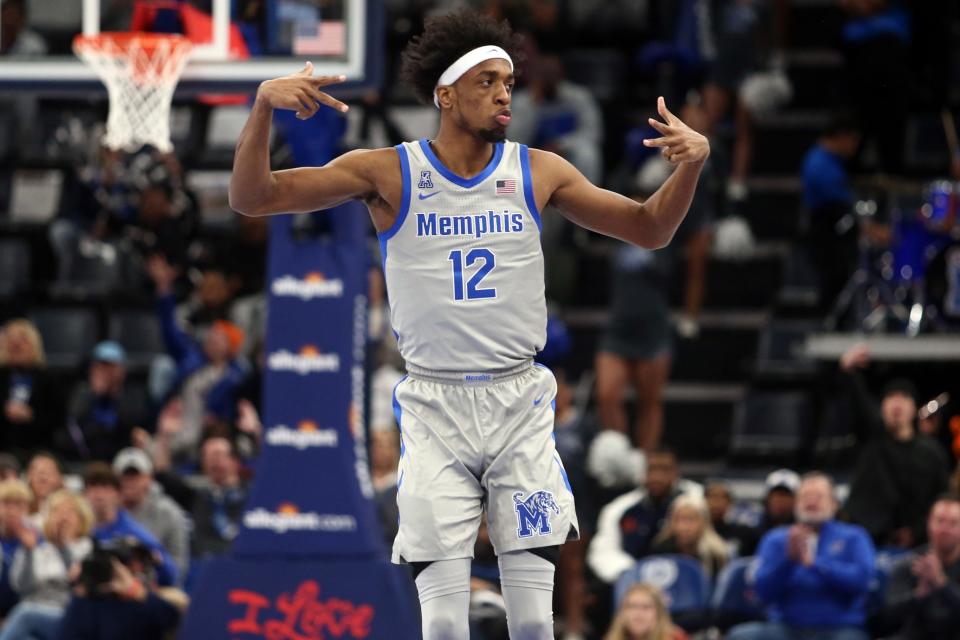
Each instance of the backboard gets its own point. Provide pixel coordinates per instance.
(237, 43)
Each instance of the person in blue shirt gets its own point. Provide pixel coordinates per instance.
(828, 199)
(111, 521)
(813, 576)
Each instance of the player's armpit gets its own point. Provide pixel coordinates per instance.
(348, 177)
(593, 208)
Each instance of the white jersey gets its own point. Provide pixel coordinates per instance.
(463, 263)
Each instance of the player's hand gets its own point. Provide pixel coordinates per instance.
(300, 92)
(679, 143)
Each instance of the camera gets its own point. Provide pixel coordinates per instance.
(96, 570)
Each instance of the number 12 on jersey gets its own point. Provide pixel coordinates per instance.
(474, 292)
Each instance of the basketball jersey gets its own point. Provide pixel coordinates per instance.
(463, 263)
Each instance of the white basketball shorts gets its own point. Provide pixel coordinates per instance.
(479, 441)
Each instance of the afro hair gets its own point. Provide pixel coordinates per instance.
(444, 39)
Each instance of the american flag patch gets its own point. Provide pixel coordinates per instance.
(506, 186)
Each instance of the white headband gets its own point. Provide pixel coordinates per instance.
(466, 62)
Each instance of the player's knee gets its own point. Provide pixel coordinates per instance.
(540, 629)
(443, 628)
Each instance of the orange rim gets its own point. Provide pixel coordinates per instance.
(124, 39)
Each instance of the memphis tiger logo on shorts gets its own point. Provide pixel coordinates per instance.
(308, 360)
(313, 285)
(533, 513)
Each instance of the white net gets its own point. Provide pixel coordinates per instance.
(140, 71)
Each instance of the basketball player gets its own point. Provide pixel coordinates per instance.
(458, 219)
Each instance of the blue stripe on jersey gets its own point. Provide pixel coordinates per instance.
(404, 201)
(466, 183)
(528, 185)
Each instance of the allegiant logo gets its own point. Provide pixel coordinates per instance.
(313, 285)
(307, 434)
(309, 360)
(288, 517)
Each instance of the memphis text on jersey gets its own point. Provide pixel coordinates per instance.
(476, 225)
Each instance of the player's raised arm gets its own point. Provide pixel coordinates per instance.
(652, 223)
(256, 191)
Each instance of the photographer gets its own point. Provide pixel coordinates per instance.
(41, 569)
(111, 521)
(116, 597)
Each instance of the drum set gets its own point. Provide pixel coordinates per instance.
(908, 278)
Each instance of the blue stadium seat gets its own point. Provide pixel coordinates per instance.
(734, 600)
(682, 579)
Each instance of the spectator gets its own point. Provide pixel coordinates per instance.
(42, 569)
(16, 39)
(881, 82)
(636, 347)
(9, 467)
(207, 378)
(14, 529)
(779, 505)
(101, 417)
(900, 472)
(384, 458)
(688, 532)
(32, 407)
(44, 477)
(216, 503)
(145, 500)
(557, 115)
(628, 525)
(828, 198)
(737, 537)
(923, 593)
(112, 521)
(132, 606)
(741, 47)
(212, 300)
(643, 615)
(813, 576)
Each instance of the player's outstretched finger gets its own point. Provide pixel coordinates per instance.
(322, 81)
(664, 112)
(656, 142)
(307, 69)
(659, 126)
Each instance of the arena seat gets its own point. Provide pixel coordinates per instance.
(69, 333)
(682, 580)
(733, 600)
(138, 331)
(14, 267)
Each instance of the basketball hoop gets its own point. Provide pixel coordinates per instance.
(141, 71)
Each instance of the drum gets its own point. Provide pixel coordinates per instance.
(943, 283)
(919, 238)
(939, 210)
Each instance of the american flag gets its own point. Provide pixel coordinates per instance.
(328, 37)
(506, 186)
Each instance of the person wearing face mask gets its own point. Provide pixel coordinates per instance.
(900, 471)
(813, 576)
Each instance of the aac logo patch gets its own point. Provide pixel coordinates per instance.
(425, 181)
(533, 513)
